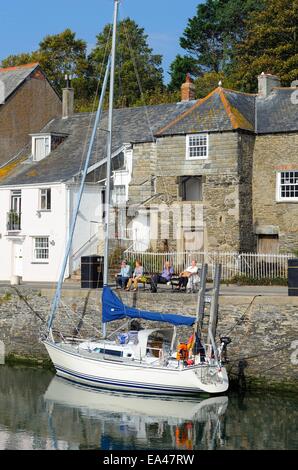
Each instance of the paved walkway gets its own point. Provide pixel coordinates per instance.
(232, 289)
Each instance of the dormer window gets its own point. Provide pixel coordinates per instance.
(197, 146)
(44, 144)
(41, 147)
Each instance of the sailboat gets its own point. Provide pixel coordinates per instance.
(141, 360)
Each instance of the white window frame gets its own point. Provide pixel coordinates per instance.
(119, 199)
(188, 146)
(49, 145)
(279, 197)
(46, 200)
(41, 260)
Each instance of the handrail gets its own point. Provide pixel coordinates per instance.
(83, 246)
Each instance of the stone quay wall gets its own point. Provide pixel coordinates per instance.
(263, 329)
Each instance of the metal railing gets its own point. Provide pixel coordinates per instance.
(252, 265)
(14, 221)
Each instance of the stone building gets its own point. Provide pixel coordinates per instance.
(27, 103)
(275, 170)
(235, 154)
(220, 173)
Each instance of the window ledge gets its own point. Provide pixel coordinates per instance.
(40, 262)
(196, 158)
(287, 201)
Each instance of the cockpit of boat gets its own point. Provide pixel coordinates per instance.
(147, 345)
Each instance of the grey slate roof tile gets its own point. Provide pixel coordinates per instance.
(130, 125)
(13, 77)
(278, 112)
(222, 110)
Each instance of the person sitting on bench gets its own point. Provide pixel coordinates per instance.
(162, 278)
(185, 275)
(124, 275)
(136, 277)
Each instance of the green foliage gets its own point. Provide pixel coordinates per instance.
(178, 70)
(251, 281)
(210, 36)
(136, 63)
(270, 45)
(58, 55)
(6, 297)
(208, 81)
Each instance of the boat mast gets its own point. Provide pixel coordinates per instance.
(57, 297)
(109, 153)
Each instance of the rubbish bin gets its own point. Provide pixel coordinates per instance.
(293, 277)
(92, 272)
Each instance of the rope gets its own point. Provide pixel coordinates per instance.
(242, 317)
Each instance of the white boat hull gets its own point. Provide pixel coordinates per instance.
(134, 376)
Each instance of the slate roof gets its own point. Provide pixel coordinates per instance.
(227, 110)
(13, 77)
(221, 110)
(130, 125)
(278, 112)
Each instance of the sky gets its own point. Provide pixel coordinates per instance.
(23, 23)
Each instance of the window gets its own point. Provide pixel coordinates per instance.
(41, 249)
(119, 195)
(14, 214)
(45, 199)
(41, 147)
(191, 188)
(287, 186)
(197, 146)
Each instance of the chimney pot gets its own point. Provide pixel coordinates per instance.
(188, 89)
(266, 83)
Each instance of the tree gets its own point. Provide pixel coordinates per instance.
(58, 55)
(20, 59)
(209, 81)
(210, 36)
(179, 68)
(136, 64)
(270, 45)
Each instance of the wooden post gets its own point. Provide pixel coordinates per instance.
(201, 297)
(214, 302)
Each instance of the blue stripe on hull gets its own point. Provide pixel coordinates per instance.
(105, 383)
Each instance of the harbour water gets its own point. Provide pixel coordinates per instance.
(41, 411)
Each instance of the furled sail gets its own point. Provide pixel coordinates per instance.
(114, 309)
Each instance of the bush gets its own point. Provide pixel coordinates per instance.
(251, 281)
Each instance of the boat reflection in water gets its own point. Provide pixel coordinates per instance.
(130, 421)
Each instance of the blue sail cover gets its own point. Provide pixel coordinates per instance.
(114, 309)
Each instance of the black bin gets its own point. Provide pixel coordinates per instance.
(293, 277)
(92, 272)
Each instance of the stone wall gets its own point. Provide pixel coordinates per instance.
(275, 153)
(143, 164)
(27, 111)
(227, 186)
(264, 330)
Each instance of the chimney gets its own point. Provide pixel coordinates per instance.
(266, 83)
(188, 90)
(68, 98)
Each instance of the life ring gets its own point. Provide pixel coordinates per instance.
(182, 352)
